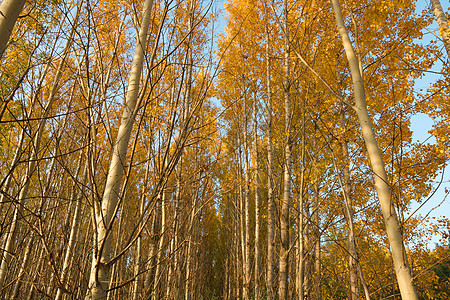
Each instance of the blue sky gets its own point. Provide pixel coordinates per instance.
(438, 205)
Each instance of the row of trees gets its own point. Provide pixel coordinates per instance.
(298, 95)
(141, 161)
(106, 159)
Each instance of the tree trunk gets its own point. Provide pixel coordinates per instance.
(177, 230)
(9, 12)
(28, 248)
(270, 204)
(138, 264)
(300, 230)
(395, 238)
(257, 210)
(247, 264)
(444, 30)
(317, 236)
(160, 248)
(99, 277)
(148, 284)
(284, 222)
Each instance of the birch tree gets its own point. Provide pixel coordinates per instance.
(405, 280)
(104, 216)
(444, 30)
(9, 12)
(285, 205)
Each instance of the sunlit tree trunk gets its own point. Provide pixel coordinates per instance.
(352, 270)
(241, 217)
(9, 12)
(307, 232)
(247, 264)
(284, 221)
(443, 24)
(257, 209)
(240, 226)
(395, 238)
(270, 202)
(317, 249)
(300, 227)
(99, 277)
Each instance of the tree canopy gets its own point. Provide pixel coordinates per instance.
(145, 153)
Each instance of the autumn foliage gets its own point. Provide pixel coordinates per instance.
(245, 174)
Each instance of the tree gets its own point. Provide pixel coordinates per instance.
(442, 19)
(9, 11)
(168, 182)
(104, 215)
(402, 270)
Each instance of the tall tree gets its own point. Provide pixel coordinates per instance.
(270, 176)
(104, 216)
(402, 270)
(285, 205)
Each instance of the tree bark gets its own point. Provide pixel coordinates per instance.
(444, 30)
(9, 12)
(257, 210)
(270, 204)
(241, 217)
(28, 248)
(285, 206)
(317, 236)
(247, 264)
(190, 243)
(300, 230)
(395, 238)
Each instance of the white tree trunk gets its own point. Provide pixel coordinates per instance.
(284, 222)
(444, 30)
(247, 264)
(9, 12)
(395, 238)
(270, 204)
(317, 249)
(257, 210)
(300, 239)
(99, 277)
